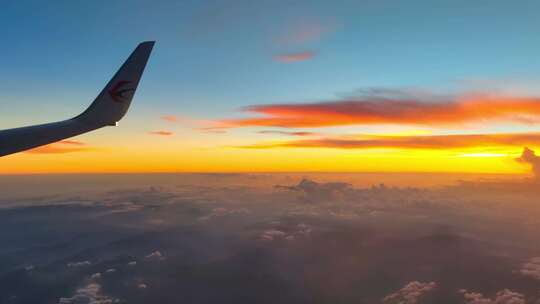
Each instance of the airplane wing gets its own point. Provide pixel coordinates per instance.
(106, 110)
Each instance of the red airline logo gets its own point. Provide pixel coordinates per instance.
(117, 93)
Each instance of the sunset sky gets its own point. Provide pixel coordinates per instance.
(278, 86)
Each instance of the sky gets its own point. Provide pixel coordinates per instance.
(278, 86)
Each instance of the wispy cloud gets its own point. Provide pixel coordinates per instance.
(395, 107)
(161, 133)
(205, 126)
(413, 142)
(305, 30)
(289, 133)
(214, 130)
(72, 142)
(294, 57)
(169, 118)
(64, 146)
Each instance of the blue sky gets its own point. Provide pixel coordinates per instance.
(212, 57)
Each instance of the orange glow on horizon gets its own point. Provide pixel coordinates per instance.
(222, 159)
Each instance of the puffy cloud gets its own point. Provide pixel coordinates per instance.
(294, 57)
(318, 192)
(155, 255)
(79, 264)
(220, 212)
(142, 286)
(132, 263)
(531, 268)
(110, 270)
(410, 293)
(504, 296)
(96, 276)
(161, 133)
(381, 106)
(291, 234)
(416, 142)
(529, 157)
(272, 234)
(90, 294)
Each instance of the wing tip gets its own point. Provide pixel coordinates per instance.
(149, 43)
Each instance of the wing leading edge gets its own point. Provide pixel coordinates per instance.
(106, 110)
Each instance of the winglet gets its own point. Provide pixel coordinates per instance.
(114, 100)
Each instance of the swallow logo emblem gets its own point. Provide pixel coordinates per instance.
(117, 91)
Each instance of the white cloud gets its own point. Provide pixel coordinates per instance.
(410, 293)
(95, 276)
(504, 296)
(90, 294)
(295, 232)
(531, 268)
(155, 255)
(220, 212)
(320, 192)
(132, 263)
(142, 286)
(79, 264)
(272, 234)
(110, 270)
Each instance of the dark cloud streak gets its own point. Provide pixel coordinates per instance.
(381, 106)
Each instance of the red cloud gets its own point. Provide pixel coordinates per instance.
(294, 57)
(374, 109)
(169, 118)
(413, 142)
(161, 133)
(72, 142)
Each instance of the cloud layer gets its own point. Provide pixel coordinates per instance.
(395, 107)
(193, 232)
